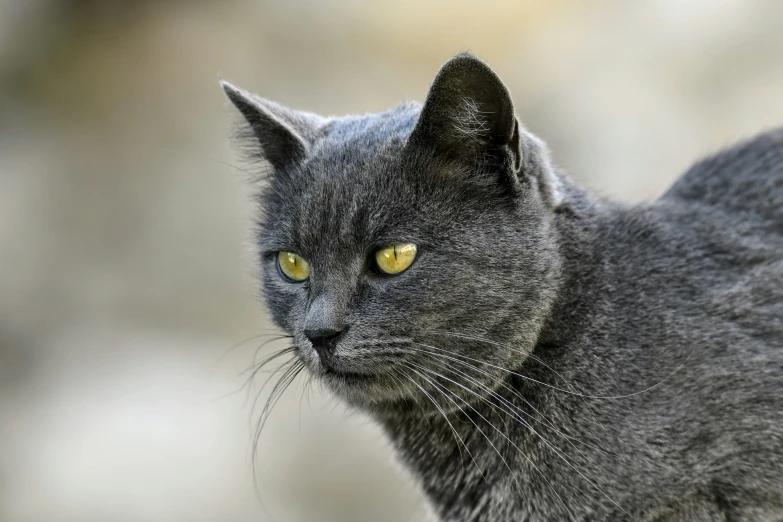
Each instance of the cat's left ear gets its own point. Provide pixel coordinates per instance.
(284, 135)
(469, 116)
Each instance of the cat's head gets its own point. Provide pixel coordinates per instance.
(409, 253)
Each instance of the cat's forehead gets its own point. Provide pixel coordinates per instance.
(363, 186)
(352, 195)
(358, 186)
(370, 130)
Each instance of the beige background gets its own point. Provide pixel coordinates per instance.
(125, 278)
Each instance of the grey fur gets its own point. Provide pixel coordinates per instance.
(594, 360)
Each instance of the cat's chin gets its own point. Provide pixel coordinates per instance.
(362, 390)
(349, 379)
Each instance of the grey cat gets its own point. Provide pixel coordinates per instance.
(533, 352)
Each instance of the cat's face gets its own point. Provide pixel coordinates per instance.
(455, 192)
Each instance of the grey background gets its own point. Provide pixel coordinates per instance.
(125, 272)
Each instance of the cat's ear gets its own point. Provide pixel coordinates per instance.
(469, 115)
(285, 135)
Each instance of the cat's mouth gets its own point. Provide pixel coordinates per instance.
(334, 368)
(350, 378)
(341, 373)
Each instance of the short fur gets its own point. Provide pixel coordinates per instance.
(549, 355)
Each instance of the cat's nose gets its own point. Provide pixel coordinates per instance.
(324, 340)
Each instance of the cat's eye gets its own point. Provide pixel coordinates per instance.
(293, 266)
(394, 259)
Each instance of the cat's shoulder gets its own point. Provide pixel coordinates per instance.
(746, 179)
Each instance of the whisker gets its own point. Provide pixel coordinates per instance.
(277, 392)
(424, 414)
(275, 333)
(276, 338)
(495, 343)
(255, 368)
(531, 356)
(556, 451)
(258, 367)
(543, 418)
(490, 441)
(606, 397)
(457, 437)
(510, 409)
(288, 366)
(308, 389)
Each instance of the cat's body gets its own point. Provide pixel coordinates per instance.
(686, 298)
(550, 356)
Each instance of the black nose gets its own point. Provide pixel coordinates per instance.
(324, 340)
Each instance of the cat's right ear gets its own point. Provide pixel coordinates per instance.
(468, 116)
(283, 134)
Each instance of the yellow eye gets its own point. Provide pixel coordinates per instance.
(293, 266)
(394, 259)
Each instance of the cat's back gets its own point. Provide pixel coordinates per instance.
(744, 182)
(729, 210)
(694, 286)
(706, 260)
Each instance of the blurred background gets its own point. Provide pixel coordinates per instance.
(128, 307)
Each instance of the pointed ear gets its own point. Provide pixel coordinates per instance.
(285, 135)
(469, 116)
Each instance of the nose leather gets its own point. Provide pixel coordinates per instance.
(324, 340)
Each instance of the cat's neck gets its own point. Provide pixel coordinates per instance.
(579, 224)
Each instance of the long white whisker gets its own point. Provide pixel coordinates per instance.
(607, 397)
(457, 437)
(495, 343)
(543, 418)
(490, 441)
(277, 391)
(468, 417)
(557, 452)
(529, 355)
(512, 410)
